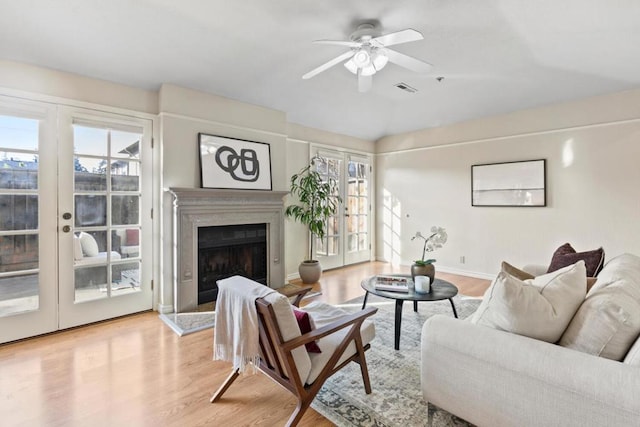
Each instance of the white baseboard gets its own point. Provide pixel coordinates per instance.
(293, 276)
(453, 270)
(165, 308)
(468, 273)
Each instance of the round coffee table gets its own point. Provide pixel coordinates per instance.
(440, 290)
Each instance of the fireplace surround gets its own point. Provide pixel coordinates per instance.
(195, 208)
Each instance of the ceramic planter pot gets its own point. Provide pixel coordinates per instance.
(423, 270)
(310, 271)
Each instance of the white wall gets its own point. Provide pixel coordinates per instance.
(592, 149)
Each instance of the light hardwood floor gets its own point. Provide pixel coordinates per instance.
(135, 371)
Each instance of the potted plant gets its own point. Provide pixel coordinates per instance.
(425, 267)
(317, 201)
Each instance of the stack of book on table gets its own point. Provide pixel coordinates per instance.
(392, 283)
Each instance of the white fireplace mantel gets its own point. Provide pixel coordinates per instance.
(199, 207)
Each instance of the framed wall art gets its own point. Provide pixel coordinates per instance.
(234, 163)
(521, 183)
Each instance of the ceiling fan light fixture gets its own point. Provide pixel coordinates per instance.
(369, 70)
(369, 53)
(380, 60)
(351, 66)
(362, 58)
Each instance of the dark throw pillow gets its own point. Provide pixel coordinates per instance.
(565, 255)
(304, 322)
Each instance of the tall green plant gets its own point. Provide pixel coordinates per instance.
(318, 201)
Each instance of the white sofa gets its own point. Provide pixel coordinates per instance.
(495, 378)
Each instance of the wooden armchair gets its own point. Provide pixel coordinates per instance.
(342, 337)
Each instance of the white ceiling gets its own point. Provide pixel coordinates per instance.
(496, 56)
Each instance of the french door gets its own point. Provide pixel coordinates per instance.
(75, 206)
(28, 204)
(104, 200)
(348, 239)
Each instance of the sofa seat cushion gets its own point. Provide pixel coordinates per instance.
(608, 321)
(99, 259)
(324, 314)
(539, 308)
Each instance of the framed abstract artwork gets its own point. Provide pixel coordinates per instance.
(521, 183)
(234, 163)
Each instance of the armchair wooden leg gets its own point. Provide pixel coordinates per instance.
(227, 383)
(363, 367)
(297, 415)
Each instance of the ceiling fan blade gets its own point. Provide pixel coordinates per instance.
(364, 83)
(408, 62)
(328, 64)
(339, 43)
(404, 36)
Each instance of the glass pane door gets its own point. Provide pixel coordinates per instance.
(357, 211)
(28, 287)
(102, 219)
(329, 249)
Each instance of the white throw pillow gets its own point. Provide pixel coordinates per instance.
(89, 245)
(608, 321)
(77, 248)
(539, 308)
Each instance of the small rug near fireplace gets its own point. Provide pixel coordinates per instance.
(396, 398)
(187, 323)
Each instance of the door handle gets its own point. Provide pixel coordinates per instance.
(66, 229)
(66, 215)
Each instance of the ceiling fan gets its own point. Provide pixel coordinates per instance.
(369, 54)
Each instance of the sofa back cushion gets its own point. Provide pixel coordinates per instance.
(539, 308)
(633, 355)
(88, 244)
(608, 321)
(77, 248)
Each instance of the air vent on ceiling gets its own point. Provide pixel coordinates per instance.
(405, 87)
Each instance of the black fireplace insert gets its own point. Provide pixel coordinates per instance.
(230, 250)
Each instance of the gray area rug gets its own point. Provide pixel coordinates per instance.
(396, 398)
(187, 323)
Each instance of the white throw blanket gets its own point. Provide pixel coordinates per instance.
(235, 336)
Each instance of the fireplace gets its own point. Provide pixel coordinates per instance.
(228, 250)
(259, 215)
